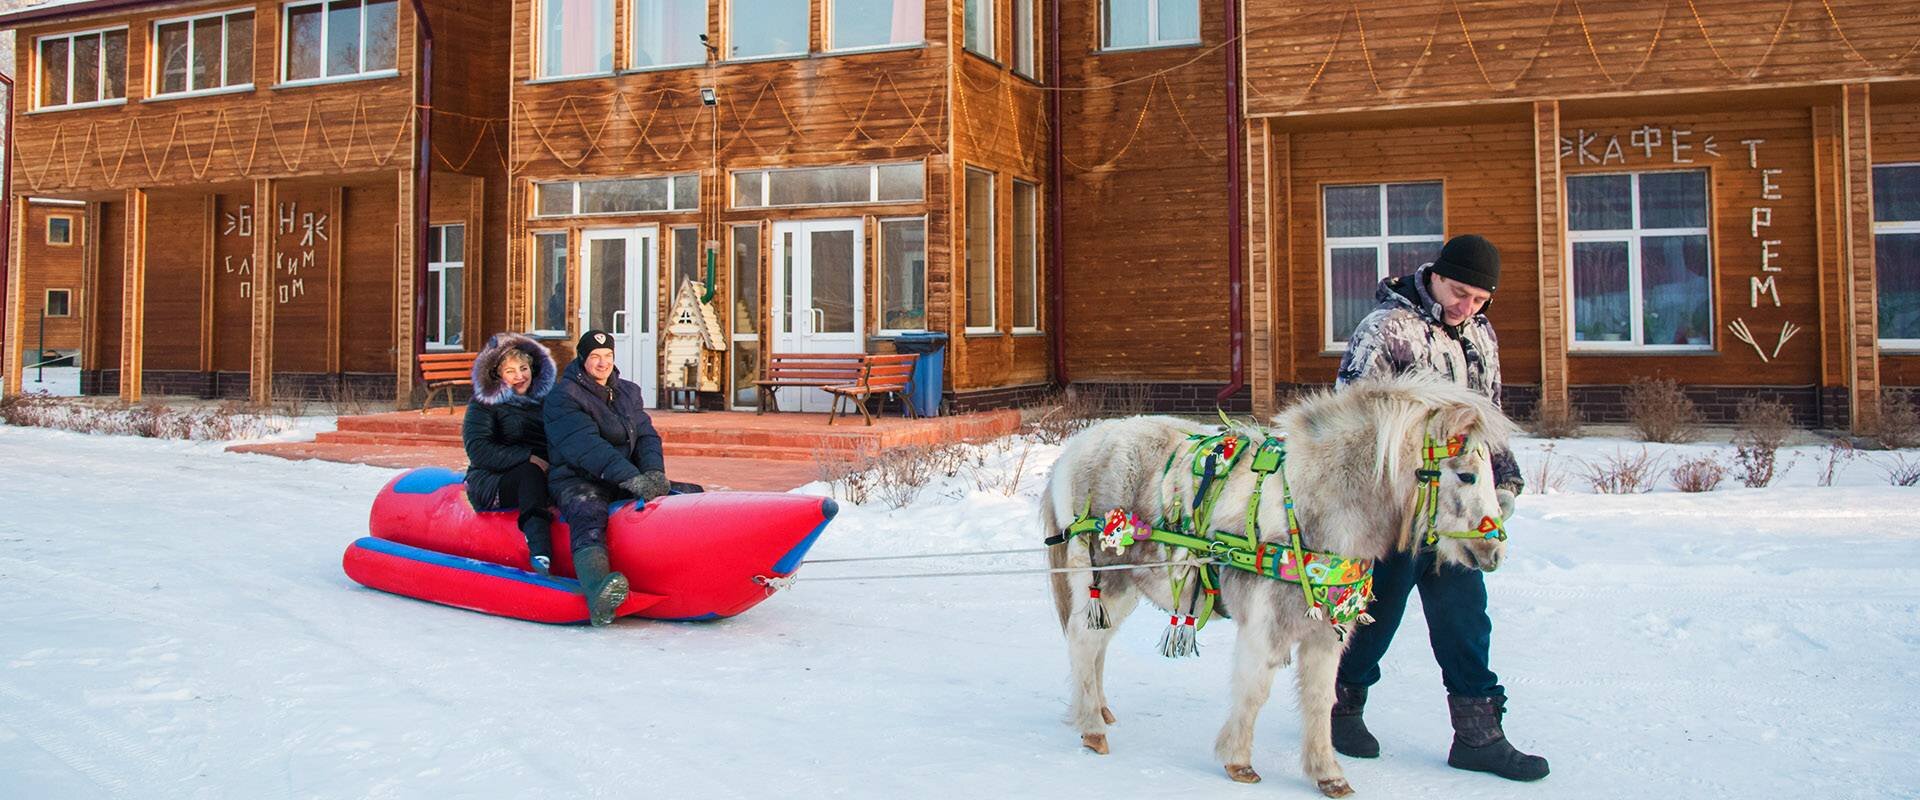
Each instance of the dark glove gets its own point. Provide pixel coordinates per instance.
(647, 485)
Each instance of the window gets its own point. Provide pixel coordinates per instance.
(1024, 43)
(980, 250)
(1896, 253)
(203, 53)
(858, 24)
(746, 315)
(767, 28)
(1372, 231)
(1026, 256)
(903, 275)
(446, 292)
(59, 303)
(338, 38)
(817, 186)
(621, 196)
(80, 69)
(686, 260)
(1640, 264)
(1149, 23)
(667, 33)
(979, 30)
(550, 284)
(59, 230)
(576, 37)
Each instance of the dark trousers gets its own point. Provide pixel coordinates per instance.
(1455, 601)
(585, 507)
(525, 487)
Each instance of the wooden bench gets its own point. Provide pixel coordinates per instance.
(808, 370)
(882, 375)
(444, 371)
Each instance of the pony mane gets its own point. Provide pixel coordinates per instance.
(1396, 408)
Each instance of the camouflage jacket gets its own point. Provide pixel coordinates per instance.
(1407, 333)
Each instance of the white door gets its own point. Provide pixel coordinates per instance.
(818, 274)
(618, 276)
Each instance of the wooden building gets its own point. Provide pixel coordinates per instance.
(53, 239)
(247, 174)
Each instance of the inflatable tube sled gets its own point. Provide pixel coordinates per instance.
(687, 556)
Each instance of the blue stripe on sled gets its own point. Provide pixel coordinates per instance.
(709, 616)
(426, 480)
(488, 568)
(791, 561)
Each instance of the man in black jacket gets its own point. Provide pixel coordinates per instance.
(603, 448)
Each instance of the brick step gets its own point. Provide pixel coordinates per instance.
(389, 438)
(675, 446)
(678, 449)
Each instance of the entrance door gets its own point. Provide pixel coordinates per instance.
(818, 270)
(618, 275)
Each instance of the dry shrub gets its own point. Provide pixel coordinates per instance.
(1546, 475)
(1554, 422)
(152, 419)
(1762, 427)
(1004, 482)
(1072, 411)
(1899, 424)
(1702, 474)
(900, 473)
(843, 465)
(1839, 452)
(1658, 411)
(1900, 470)
(1621, 473)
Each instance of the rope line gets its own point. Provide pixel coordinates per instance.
(782, 583)
(927, 555)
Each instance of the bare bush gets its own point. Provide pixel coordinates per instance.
(1659, 411)
(1621, 473)
(988, 479)
(900, 473)
(1546, 474)
(1753, 466)
(1702, 474)
(1766, 423)
(1554, 422)
(843, 465)
(1838, 453)
(1900, 470)
(1899, 423)
(152, 419)
(1072, 411)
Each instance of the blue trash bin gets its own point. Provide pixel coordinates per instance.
(929, 371)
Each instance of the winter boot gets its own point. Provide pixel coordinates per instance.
(604, 589)
(539, 542)
(1350, 734)
(1479, 744)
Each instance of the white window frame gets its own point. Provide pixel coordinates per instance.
(326, 33)
(1382, 264)
(437, 276)
(673, 197)
(1038, 296)
(826, 40)
(533, 318)
(873, 186)
(1153, 30)
(1632, 236)
(39, 68)
(727, 54)
(633, 42)
(880, 275)
(47, 304)
(993, 250)
(1026, 40)
(993, 29)
(73, 225)
(1908, 227)
(154, 69)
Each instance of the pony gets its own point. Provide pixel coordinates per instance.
(1359, 466)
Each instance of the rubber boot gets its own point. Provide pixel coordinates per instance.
(604, 589)
(539, 532)
(1350, 735)
(1479, 744)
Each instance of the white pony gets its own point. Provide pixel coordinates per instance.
(1350, 467)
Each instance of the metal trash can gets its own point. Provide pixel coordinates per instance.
(929, 372)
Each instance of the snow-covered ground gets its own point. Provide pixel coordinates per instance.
(174, 623)
(56, 381)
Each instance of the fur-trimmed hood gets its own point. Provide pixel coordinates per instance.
(487, 387)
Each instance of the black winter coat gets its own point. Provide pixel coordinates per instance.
(503, 429)
(598, 433)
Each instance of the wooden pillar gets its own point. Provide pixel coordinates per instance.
(14, 294)
(1550, 226)
(266, 227)
(209, 232)
(476, 269)
(1862, 316)
(336, 211)
(403, 293)
(90, 288)
(519, 266)
(1260, 283)
(133, 298)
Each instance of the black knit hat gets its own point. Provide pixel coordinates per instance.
(591, 341)
(1470, 259)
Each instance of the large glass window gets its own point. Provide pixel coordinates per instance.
(1639, 260)
(617, 196)
(203, 53)
(1026, 256)
(903, 275)
(746, 314)
(857, 24)
(688, 263)
(815, 186)
(83, 68)
(979, 27)
(338, 38)
(1025, 43)
(1896, 253)
(576, 37)
(1374, 230)
(446, 287)
(550, 284)
(767, 28)
(980, 250)
(1149, 23)
(667, 32)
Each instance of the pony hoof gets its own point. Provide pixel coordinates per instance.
(1097, 742)
(1335, 787)
(1107, 714)
(1242, 773)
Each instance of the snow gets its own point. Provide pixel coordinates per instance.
(177, 625)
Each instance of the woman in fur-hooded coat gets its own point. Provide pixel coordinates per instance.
(505, 439)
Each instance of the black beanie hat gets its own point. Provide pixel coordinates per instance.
(591, 341)
(1470, 259)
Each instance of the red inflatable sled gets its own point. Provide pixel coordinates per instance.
(687, 557)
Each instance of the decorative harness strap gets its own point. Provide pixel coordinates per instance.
(1432, 453)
